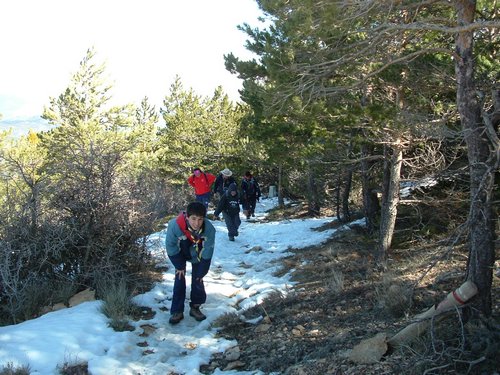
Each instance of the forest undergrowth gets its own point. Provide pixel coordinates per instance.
(342, 297)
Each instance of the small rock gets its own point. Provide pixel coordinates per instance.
(83, 296)
(45, 310)
(262, 328)
(232, 354)
(232, 365)
(370, 350)
(148, 329)
(300, 327)
(255, 248)
(296, 332)
(59, 306)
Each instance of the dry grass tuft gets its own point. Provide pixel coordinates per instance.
(335, 282)
(10, 369)
(74, 369)
(227, 319)
(118, 305)
(393, 296)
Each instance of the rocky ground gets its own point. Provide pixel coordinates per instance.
(340, 298)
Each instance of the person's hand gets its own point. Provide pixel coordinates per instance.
(180, 274)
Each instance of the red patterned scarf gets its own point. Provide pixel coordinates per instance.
(192, 235)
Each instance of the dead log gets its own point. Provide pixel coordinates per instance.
(456, 298)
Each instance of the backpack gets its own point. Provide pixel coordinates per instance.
(251, 187)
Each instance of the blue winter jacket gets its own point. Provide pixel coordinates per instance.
(181, 249)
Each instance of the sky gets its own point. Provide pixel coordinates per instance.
(144, 44)
(240, 275)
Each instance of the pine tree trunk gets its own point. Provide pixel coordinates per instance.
(371, 205)
(34, 206)
(337, 196)
(312, 192)
(481, 218)
(390, 201)
(281, 201)
(346, 192)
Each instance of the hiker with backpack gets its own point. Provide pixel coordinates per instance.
(202, 183)
(222, 182)
(250, 194)
(229, 205)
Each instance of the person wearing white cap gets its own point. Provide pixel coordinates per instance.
(222, 182)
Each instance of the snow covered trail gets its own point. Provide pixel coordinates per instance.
(241, 276)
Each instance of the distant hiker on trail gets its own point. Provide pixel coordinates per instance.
(250, 194)
(229, 205)
(202, 183)
(190, 238)
(222, 182)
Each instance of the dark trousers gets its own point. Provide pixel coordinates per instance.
(233, 222)
(198, 294)
(204, 198)
(251, 204)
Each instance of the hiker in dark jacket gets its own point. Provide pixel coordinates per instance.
(222, 182)
(250, 194)
(229, 205)
(190, 238)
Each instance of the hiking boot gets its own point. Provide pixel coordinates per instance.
(231, 238)
(176, 318)
(196, 313)
(253, 215)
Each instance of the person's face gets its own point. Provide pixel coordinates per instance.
(233, 193)
(197, 173)
(195, 221)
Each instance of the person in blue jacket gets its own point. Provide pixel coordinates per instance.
(190, 238)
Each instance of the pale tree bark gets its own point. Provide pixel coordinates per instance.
(481, 162)
(390, 201)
